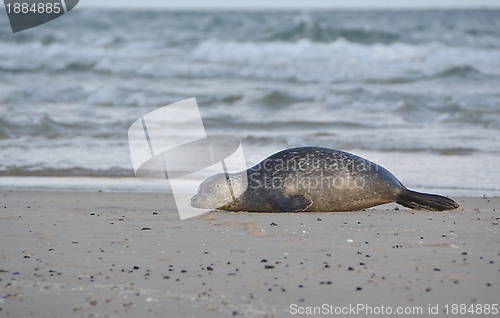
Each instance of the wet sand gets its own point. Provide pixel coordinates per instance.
(83, 254)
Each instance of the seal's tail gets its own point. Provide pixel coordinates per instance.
(425, 201)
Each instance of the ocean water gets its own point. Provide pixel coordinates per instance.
(416, 91)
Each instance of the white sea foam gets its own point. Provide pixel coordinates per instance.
(342, 60)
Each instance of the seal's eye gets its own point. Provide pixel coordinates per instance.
(218, 186)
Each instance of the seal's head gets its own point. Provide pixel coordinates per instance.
(213, 193)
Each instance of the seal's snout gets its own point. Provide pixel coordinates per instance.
(195, 202)
(199, 202)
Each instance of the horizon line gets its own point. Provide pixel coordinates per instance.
(342, 8)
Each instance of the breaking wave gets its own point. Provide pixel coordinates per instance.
(342, 60)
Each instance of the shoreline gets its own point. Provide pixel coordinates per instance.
(134, 185)
(113, 254)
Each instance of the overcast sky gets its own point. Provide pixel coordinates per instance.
(287, 4)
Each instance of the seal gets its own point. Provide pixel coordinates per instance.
(311, 179)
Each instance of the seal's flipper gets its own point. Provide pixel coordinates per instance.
(425, 201)
(294, 203)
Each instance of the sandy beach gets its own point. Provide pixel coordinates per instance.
(101, 254)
